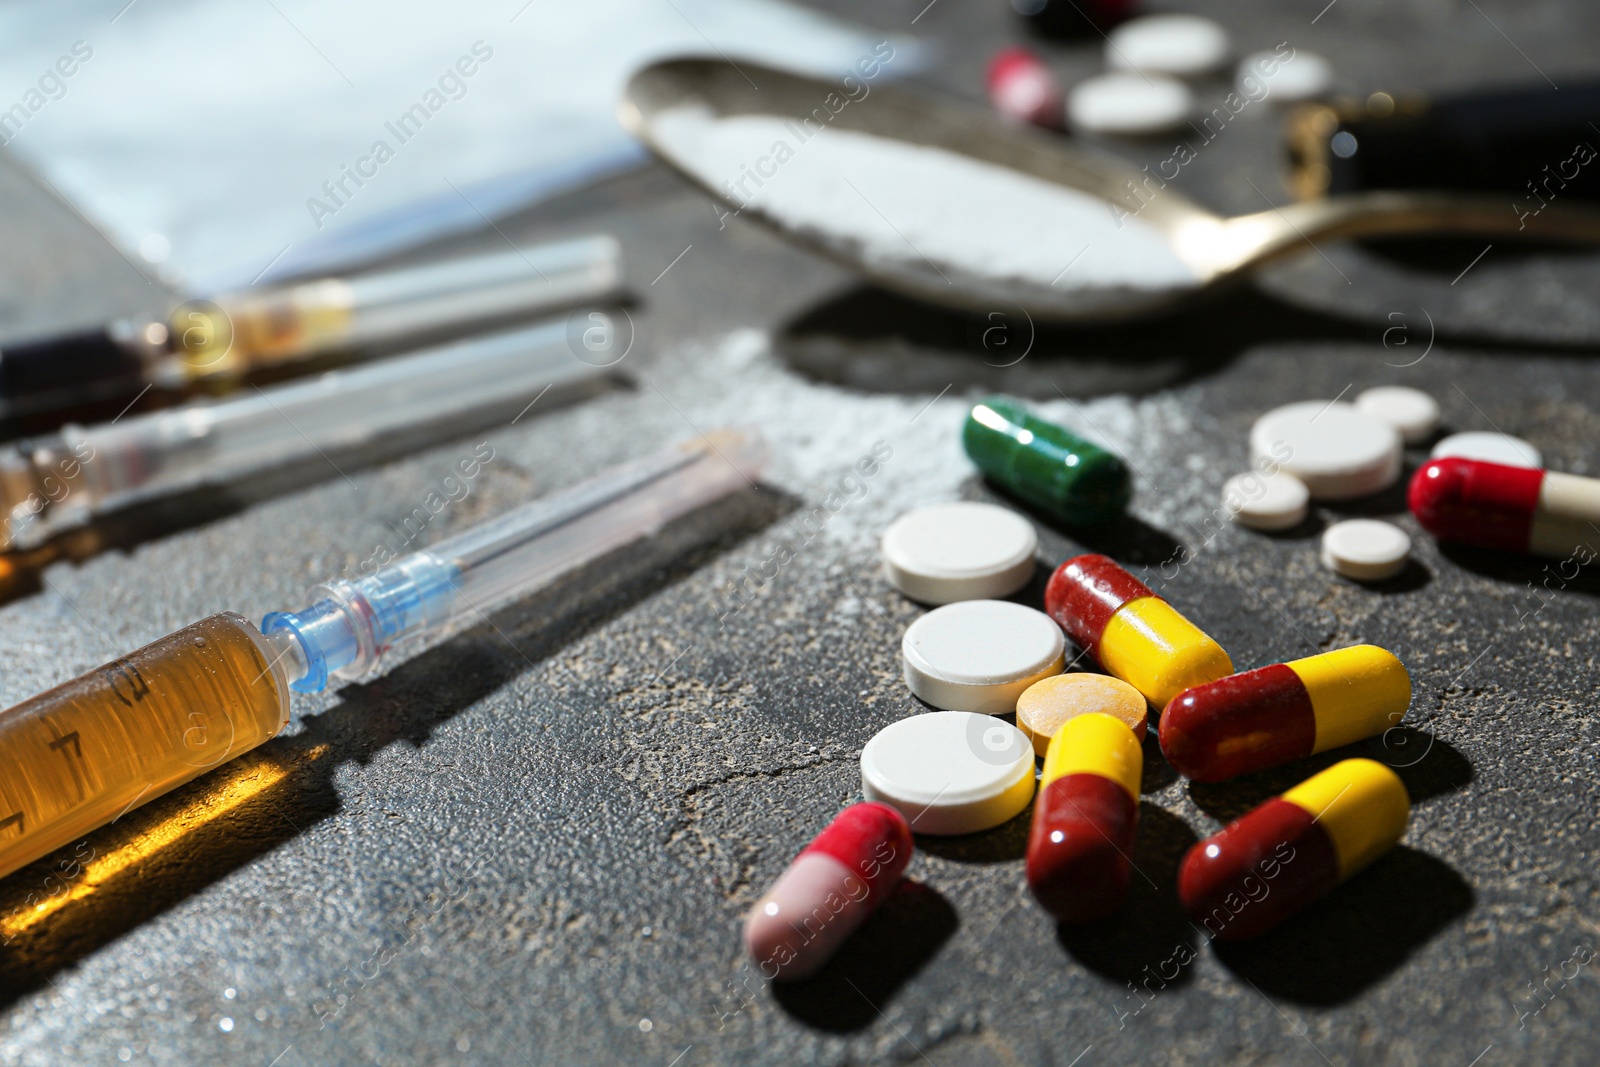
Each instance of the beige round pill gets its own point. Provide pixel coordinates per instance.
(1047, 704)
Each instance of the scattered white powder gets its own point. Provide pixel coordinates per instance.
(903, 208)
(818, 432)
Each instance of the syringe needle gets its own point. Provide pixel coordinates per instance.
(76, 757)
(353, 623)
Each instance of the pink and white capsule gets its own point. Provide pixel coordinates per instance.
(828, 891)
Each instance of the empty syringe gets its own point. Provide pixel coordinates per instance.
(76, 757)
(216, 342)
(55, 482)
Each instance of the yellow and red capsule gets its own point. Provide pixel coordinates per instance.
(1080, 847)
(1288, 852)
(1134, 634)
(1271, 715)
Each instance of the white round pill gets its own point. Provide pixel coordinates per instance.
(1302, 76)
(1365, 549)
(1338, 452)
(1275, 501)
(1411, 411)
(962, 551)
(1128, 104)
(1168, 44)
(979, 655)
(1499, 448)
(950, 772)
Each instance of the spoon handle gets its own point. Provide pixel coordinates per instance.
(1279, 231)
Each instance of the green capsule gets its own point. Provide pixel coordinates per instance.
(1048, 466)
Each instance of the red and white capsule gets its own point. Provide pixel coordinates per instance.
(1021, 87)
(1516, 509)
(828, 891)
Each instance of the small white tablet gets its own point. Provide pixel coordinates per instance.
(1277, 501)
(1338, 452)
(979, 655)
(1302, 76)
(1128, 104)
(1491, 448)
(1365, 549)
(961, 551)
(1185, 45)
(1411, 411)
(950, 772)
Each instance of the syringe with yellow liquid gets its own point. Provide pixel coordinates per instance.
(82, 754)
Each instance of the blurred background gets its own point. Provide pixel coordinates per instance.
(533, 843)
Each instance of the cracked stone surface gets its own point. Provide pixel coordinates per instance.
(533, 843)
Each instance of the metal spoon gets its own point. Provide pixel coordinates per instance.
(1211, 249)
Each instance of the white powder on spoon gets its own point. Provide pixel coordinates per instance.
(901, 208)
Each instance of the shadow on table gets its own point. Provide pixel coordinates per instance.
(1367, 927)
(877, 341)
(1128, 539)
(898, 940)
(1005, 843)
(1157, 773)
(1542, 576)
(874, 340)
(1356, 935)
(63, 907)
(1443, 255)
(1412, 576)
(1427, 766)
(1149, 942)
(1383, 504)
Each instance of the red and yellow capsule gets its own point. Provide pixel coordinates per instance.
(1271, 715)
(1081, 845)
(1518, 509)
(1291, 850)
(828, 891)
(1135, 635)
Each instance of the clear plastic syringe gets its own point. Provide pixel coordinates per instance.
(219, 341)
(215, 343)
(76, 757)
(58, 481)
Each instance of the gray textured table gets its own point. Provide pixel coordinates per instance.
(534, 843)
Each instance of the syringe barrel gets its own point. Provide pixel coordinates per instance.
(456, 293)
(353, 623)
(506, 558)
(90, 749)
(263, 327)
(101, 468)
